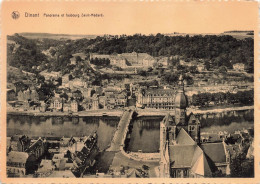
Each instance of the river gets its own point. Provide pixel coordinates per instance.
(146, 136)
(145, 133)
(61, 126)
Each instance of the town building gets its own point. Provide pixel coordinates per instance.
(74, 106)
(156, 98)
(17, 164)
(239, 67)
(38, 148)
(10, 95)
(125, 60)
(28, 94)
(57, 104)
(19, 143)
(50, 75)
(182, 153)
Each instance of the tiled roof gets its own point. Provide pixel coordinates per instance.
(38, 143)
(17, 157)
(215, 151)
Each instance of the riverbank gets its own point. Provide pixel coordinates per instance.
(163, 112)
(218, 110)
(119, 112)
(92, 113)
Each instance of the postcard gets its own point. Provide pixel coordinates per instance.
(129, 92)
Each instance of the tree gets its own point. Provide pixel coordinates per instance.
(207, 65)
(240, 167)
(222, 69)
(78, 59)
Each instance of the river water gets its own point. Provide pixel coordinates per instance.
(145, 133)
(61, 126)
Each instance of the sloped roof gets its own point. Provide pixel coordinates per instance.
(35, 145)
(17, 157)
(45, 166)
(201, 165)
(168, 120)
(215, 151)
(183, 138)
(181, 156)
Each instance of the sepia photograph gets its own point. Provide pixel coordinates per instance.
(150, 103)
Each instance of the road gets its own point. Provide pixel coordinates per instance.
(121, 131)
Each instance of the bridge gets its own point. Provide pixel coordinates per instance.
(121, 131)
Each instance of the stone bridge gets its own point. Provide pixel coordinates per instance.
(121, 132)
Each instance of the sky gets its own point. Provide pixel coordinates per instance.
(130, 17)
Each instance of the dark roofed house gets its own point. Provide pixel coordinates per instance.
(37, 149)
(11, 96)
(20, 164)
(19, 143)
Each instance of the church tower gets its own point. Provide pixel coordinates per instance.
(181, 104)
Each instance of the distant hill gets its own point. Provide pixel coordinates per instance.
(56, 36)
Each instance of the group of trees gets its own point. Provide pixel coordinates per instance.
(100, 61)
(241, 97)
(242, 168)
(24, 54)
(216, 51)
(222, 50)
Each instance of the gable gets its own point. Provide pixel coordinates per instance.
(183, 138)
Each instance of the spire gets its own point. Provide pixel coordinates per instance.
(181, 84)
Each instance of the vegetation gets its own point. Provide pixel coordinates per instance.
(100, 62)
(215, 50)
(240, 167)
(241, 97)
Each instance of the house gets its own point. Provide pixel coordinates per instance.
(239, 67)
(10, 95)
(118, 61)
(65, 80)
(19, 143)
(74, 106)
(20, 86)
(28, 95)
(38, 148)
(87, 103)
(77, 95)
(50, 75)
(43, 106)
(57, 104)
(201, 67)
(163, 62)
(18, 163)
(95, 103)
(121, 100)
(45, 168)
